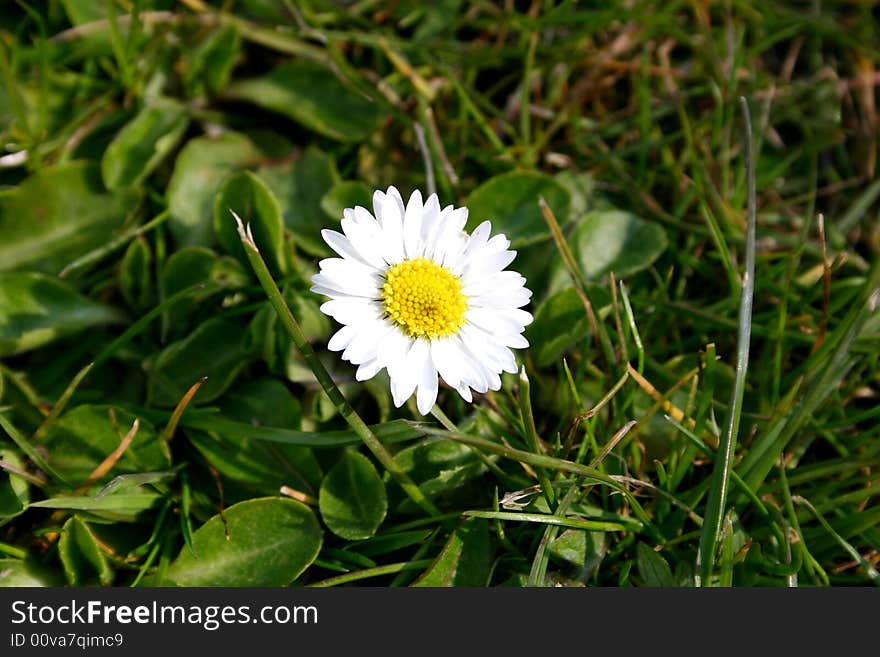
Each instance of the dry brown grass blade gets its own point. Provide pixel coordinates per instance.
(298, 495)
(577, 279)
(107, 464)
(171, 427)
(662, 401)
(27, 476)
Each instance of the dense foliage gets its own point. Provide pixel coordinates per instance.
(160, 427)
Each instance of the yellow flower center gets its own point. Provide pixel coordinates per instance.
(424, 299)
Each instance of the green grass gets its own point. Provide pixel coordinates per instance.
(698, 404)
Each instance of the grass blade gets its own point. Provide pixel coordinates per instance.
(528, 419)
(841, 541)
(715, 505)
(61, 404)
(556, 521)
(25, 446)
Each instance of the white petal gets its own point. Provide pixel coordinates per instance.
(394, 195)
(499, 321)
(406, 375)
(403, 385)
(363, 347)
(348, 276)
(427, 391)
(365, 235)
(450, 238)
(465, 392)
(474, 373)
(474, 243)
(340, 243)
(364, 219)
(368, 370)
(363, 253)
(412, 226)
(500, 299)
(494, 381)
(486, 264)
(335, 294)
(342, 337)
(393, 348)
(492, 354)
(479, 237)
(502, 281)
(348, 268)
(430, 222)
(453, 257)
(446, 357)
(434, 239)
(391, 220)
(348, 311)
(337, 288)
(449, 224)
(378, 206)
(516, 341)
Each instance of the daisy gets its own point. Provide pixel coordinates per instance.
(418, 296)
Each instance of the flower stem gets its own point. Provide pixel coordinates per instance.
(323, 376)
(442, 418)
(449, 425)
(528, 418)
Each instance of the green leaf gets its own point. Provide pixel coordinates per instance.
(271, 542)
(246, 195)
(315, 325)
(136, 275)
(210, 63)
(352, 499)
(36, 309)
(263, 339)
(313, 96)
(259, 468)
(346, 194)
(300, 187)
(464, 560)
(583, 549)
(122, 506)
(653, 568)
(562, 309)
(263, 402)
(387, 543)
(143, 143)
(84, 11)
(125, 481)
(58, 214)
(25, 573)
(81, 557)
(510, 202)
(440, 468)
(14, 491)
(614, 240)
(260, 465)
(213, 350)
(194, 265)
(199, 172)
(581, 186)
(85, 435)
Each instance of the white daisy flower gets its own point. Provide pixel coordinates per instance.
(418, 296)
